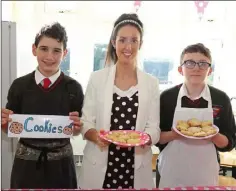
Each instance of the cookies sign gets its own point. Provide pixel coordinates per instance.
(40, 126)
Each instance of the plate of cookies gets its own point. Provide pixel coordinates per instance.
(196, 129)
(125, 138)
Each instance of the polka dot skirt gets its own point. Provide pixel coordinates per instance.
(120, 167)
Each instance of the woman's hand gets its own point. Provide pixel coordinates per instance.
(101, 143)
(148, 143)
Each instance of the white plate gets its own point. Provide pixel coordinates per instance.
(191, 137)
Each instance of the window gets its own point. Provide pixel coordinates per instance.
(158, 68)
(99, 56)
(65, 64)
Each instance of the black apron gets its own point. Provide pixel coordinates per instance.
(44, 173)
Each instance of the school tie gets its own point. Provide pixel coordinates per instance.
(46, 83)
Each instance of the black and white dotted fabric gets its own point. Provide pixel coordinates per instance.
(120, 167)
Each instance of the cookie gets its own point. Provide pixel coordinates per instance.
(206, 123)
(133, 141)
(182, 128)
(188, 133)
(117, 133)
(111, 137)
(125, 137)
(194, 129)
(67, 130)
(200, 134)
(16, 128)
(194, 122)
(182, 123)
(211, 132)
(120, 140)
(134, 135)
(207, 128)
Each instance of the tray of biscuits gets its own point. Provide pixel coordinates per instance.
(196, 129)
(125, 138)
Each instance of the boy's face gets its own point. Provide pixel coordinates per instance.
(195, 75)
(49, 53)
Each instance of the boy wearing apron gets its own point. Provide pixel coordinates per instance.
(188, 162)
(45, 163)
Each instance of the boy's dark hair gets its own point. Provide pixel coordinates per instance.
(196, 48)
(55, 31)
(123, 20)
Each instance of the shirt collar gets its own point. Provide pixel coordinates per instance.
(39, 77)
(204, 94)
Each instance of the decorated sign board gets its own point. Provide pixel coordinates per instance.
(40, 126)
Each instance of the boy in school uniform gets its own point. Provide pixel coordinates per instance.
(187, 162)
(45, 163)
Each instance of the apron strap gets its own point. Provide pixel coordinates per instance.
(182, 92)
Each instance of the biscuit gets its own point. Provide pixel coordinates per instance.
(194, 129)
(194, 122)
(211, 132)
(134, 135)
(120, 140)
(182, 123)
(178, 127)
(182, 128)
(124, 136)
(133, 141)
(207, 128)
(187, 133)
(206, 123)
(117, 133)
(110, 136)
(200, 134)
(16, 128)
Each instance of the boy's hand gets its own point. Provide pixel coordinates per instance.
(5, 118)
(76, 122)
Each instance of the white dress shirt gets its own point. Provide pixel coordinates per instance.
(39, 77)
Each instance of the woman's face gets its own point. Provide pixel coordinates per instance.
(127, 44)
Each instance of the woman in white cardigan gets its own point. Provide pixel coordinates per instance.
(120, 97)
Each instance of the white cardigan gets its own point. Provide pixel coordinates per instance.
(97, 114)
